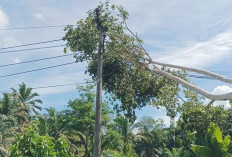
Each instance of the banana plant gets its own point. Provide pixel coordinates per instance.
(216, 146)
(175, 152)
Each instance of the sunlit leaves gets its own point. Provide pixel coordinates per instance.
(32, 144)
(216, 146)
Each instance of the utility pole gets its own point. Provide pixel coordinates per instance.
(97, 131)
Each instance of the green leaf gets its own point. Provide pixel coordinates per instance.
(202, 151)
(218, 134)
(226, 143)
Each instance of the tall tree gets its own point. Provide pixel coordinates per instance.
(123, 74)
(119, 137)
(150, 138)
(78, 119)
(5, 102)
(28, 98)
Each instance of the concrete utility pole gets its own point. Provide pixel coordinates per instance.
(97, 131)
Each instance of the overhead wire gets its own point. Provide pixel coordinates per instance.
(30, 49)
(56, 56)
(53, 86)
(59, 85)
(36, 60)
(30, 44)
(193, 76)
(33, 27)
(190, 75)
(29, 71)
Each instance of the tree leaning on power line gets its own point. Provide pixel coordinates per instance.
(123, 74)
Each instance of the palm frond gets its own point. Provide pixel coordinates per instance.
(32, 95)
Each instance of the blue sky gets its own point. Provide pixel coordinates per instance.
(191, 33)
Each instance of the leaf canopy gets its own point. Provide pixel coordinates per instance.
(124, 75)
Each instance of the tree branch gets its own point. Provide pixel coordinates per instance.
(210, 74)
(208, 95)
(227, 96)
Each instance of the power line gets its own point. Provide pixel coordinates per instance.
(37, 48)
(52, 86)
(29, 71)
(59, 85)
(42, 42)
(199, 76)
(36, 60)
(33, 27)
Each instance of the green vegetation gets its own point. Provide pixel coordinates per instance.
(199, 131)
(124, 77)
(70, 132)
(30, 143)
(215, 144)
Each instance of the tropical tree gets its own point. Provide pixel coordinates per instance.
(196, 119)
(112, 143)
(32, 144)
(176, 152)
(123, 75)
(53, 122)
(77, 121)
(6, 104)
(28, 98)
(150, 137)
(119, 137)
(10, 115)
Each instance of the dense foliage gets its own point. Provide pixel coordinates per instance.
(215, 144)
(194, 130)
(69, 132)
(123, 74)
(32, 144)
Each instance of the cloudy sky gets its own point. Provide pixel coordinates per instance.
(195, 34)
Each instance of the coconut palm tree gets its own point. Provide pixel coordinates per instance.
(27, 98)
(5, 104)
(150, 137)
(12, 120)
(124, 127)
(10, 106)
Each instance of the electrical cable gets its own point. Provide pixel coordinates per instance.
(53, 86)
(37, 48)
(33, 27)
(29, 71)
(36, 60)
(36, 43)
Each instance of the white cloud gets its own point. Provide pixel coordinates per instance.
(201, 54)
(184, 32)
(39, 16)
(222, 90)
(4, 19)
